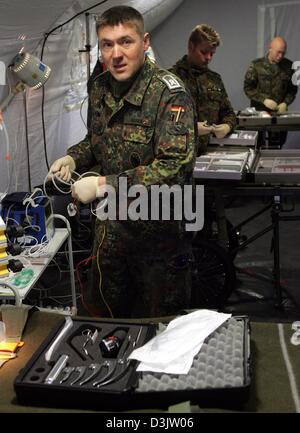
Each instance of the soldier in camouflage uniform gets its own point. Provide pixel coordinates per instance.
(142, 129)
(268, 84)
(213, 108)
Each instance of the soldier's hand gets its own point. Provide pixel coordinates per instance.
(1, 116)
(270, 104)
(221, 130)
(62, 168)
(204, 128)
(282, 107)
(89, 188)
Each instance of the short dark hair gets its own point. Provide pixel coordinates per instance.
(121, 15)
(204, 32)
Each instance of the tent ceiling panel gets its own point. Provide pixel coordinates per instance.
(23, 24)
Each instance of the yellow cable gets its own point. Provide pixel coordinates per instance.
(100, 275)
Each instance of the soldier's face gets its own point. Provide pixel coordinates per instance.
(276, 53)
(122, 49)
(200, 54)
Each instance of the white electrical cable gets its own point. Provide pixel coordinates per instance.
(33, 227)
(11, 219)
(27, 238)
(38, 249)
(31, 202)
(71, 262)
(80, 111)
(7, 156)
(52, 176)
(62, 181)
(7, 218)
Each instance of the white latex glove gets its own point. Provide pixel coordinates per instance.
(270, 104)
(282, 107)
(63, 167)
(204, 128)
(221, 130)
(88, 189)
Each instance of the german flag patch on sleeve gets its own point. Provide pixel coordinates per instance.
(176, 111)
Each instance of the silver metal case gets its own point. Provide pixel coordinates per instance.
(277, 166)
(229, 158)
(254, 120)
(288, 118)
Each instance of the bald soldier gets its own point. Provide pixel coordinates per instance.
(268, 83)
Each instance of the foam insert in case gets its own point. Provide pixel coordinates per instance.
(88, 368)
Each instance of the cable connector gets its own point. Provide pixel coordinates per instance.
(14, 249)
(14, 230)
(15, 265)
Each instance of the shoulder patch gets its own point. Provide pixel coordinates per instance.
(171, 82)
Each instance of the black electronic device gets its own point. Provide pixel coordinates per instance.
(111, 344)
(32, 212)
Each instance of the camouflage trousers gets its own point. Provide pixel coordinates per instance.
(135, 275)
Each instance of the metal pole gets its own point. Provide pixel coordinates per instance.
(88, 45)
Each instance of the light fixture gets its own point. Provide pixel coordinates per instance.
(31, 72)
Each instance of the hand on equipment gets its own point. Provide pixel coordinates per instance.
(88, 189)
(282, 107)
(270, 104)
(62, 168)
(221, 130)
(204, 128)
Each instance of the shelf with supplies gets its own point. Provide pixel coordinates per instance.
(227, 158)
(237, 158)
(38, 265)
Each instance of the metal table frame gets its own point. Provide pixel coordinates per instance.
(276, 193)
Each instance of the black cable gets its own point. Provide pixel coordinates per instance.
(43, 87)
(27, 142)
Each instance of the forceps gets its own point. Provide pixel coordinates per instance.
(90, 337)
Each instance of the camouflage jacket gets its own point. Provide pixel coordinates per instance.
(147, 136)
(269, 80)
(208, 93)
